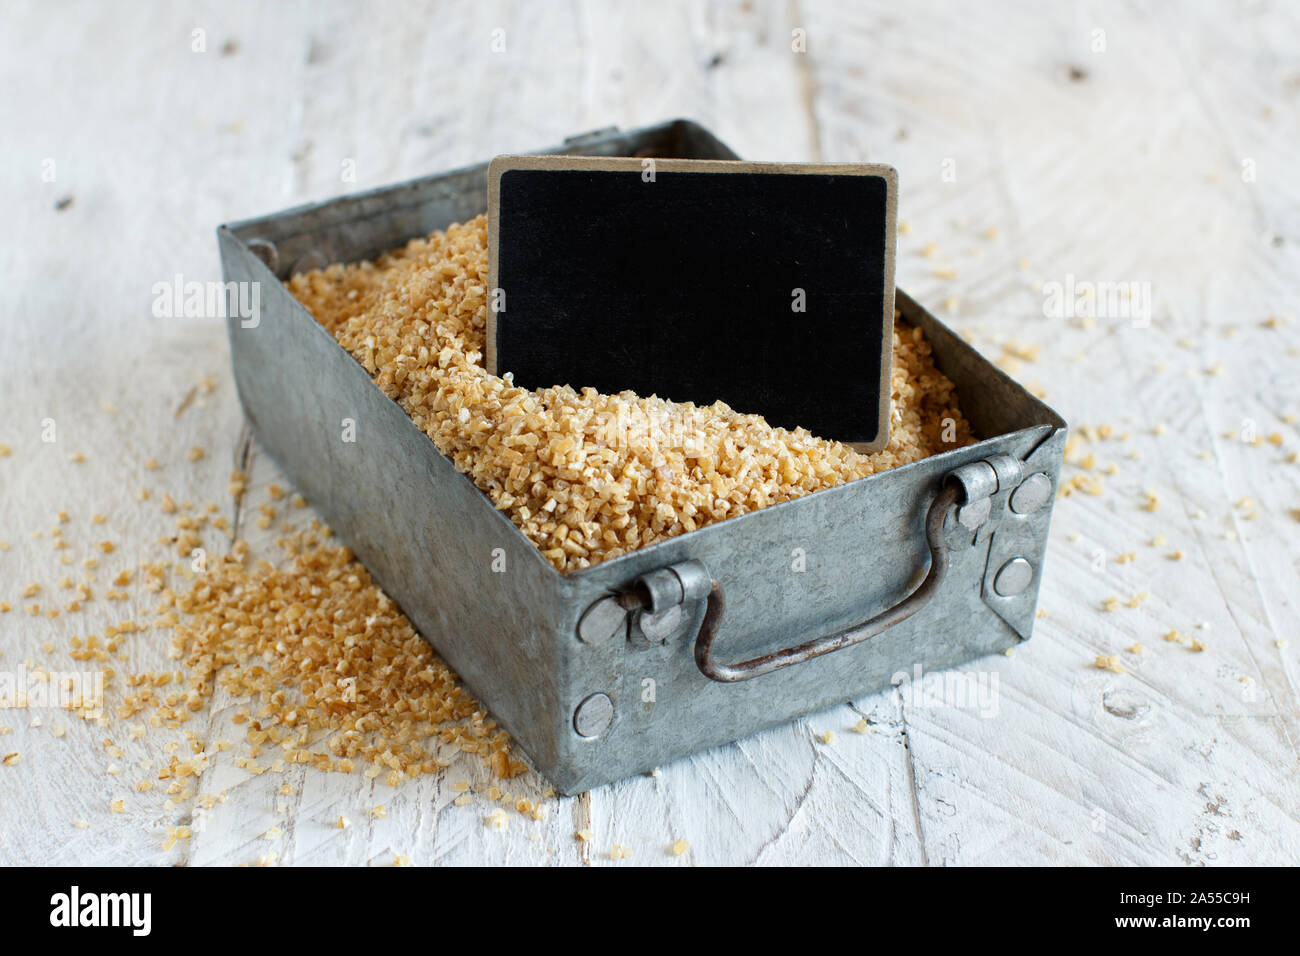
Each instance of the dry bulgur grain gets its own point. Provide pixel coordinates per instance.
(1108, 662)
(321, 648)
(587, 476)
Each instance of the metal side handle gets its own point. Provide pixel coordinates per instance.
(689, 580)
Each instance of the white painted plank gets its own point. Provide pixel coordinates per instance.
(1130, 170)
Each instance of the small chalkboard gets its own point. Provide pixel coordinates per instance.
(768, 286)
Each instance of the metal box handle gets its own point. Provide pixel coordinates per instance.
(689, 580)
(712, 668)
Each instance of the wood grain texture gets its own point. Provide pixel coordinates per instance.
(1157, 150)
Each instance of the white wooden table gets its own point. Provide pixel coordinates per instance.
(1104, 143)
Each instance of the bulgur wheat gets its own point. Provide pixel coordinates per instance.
(587, 476)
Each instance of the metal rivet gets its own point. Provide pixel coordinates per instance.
(265, 250)
(593, 716)
(603, 620)
(1033, 493)
(308, 262)
(1013, 577)
(657, 628)
(974, 515)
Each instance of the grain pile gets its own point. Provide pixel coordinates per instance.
(322, 669)
(588, 476)
(342, 677)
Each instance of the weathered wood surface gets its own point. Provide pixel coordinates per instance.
(1107, 142)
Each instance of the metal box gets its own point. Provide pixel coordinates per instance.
(621, 667)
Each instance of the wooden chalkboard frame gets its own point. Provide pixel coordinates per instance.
(506, 163)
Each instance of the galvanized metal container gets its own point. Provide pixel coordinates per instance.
(624, 666)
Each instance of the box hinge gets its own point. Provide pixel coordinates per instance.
(658, 606)
(986, 487)
(1007, 506)
(664, 601)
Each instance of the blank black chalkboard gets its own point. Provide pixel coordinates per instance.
(766, 286)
